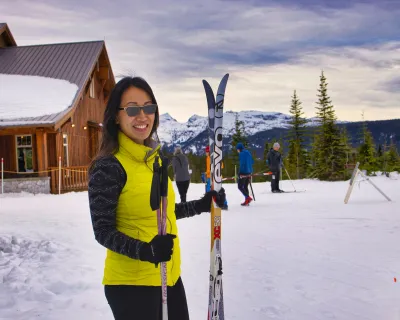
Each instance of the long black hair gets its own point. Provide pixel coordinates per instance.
(109, 143)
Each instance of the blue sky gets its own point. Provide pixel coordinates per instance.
(270, 48)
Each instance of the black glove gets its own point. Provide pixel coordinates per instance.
(204, 204)
(159, 249)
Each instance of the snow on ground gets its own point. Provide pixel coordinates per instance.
(41, 96)
(294, 256)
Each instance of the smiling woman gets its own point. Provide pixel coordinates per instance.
(120, 181)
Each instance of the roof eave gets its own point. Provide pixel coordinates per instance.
(27, 125)
(9, 34)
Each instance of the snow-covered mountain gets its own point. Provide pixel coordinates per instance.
(172, 132)
(259, 126)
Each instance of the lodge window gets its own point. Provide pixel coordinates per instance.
(91, 89)
(65, 149)
(24, 153)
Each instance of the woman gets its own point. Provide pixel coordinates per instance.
(123, 221)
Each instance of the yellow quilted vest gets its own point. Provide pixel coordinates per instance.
(136, 219)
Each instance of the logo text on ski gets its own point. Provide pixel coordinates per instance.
(217, 155)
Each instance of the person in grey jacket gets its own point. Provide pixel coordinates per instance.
(180, 164)
(275, 163)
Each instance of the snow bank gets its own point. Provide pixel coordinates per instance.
(33, 96)
(293, 256)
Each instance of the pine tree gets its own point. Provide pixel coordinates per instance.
(238, 136)
(329, 153)
(393, 159)
(296, 160)
(366, 150)
(346, 149)
(267, 147)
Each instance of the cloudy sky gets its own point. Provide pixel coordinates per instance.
(270, 48)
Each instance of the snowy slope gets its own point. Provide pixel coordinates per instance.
(171, 131)
(304, 256)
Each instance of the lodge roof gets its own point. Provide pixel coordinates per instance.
(73, 62)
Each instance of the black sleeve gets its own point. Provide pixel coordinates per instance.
(106, 181)
(187, 209)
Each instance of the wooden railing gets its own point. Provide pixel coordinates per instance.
(72, 179)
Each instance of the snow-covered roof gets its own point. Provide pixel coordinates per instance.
(70, 63)
(35, 99)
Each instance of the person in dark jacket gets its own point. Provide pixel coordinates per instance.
(275, 164)
(245, 170)
(180, 164)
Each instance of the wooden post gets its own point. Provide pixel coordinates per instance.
(2, 175)
(59, 175)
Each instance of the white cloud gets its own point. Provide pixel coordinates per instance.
(174, 45)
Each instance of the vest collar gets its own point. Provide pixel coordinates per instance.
(137, 152)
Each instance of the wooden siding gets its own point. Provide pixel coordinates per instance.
(2, 41)
(80, 139)
(52, 150)
(7, 151)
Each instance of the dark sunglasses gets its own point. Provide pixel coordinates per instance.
(133, 111)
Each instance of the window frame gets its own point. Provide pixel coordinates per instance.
(65, 148)
(24, 146)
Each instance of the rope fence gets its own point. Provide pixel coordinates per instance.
(62, 178)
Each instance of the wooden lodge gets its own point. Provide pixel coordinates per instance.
(36, 150)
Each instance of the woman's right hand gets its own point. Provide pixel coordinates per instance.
(159, 249)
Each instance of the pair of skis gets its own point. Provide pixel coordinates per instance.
(215, 125)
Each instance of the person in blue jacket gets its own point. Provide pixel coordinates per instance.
(245, 170)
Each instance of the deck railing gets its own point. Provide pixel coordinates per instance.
(66, 179)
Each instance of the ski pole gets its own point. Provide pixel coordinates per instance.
(290, 180)
(163, 231)
(252, 192)
(159, 189)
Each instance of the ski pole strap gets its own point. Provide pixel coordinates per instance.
(155, 193)
(164, 177)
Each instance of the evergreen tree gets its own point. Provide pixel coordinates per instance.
(328, 149)
(366, 150)
(238, 136)
(267, 147)
(296, 160)
(346, 149)
(393, 159)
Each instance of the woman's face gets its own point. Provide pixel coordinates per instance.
(137, 127)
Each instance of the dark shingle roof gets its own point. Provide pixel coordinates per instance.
(66, 61)
(2, 25)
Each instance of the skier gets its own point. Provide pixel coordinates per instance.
(208, 175)
(180, 165)
(120, 180)
(245, 170)
(275, 164)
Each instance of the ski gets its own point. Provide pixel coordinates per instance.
(215, 116)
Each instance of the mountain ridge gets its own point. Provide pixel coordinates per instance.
(260, 126)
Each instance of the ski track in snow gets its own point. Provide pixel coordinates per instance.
(295, 256)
